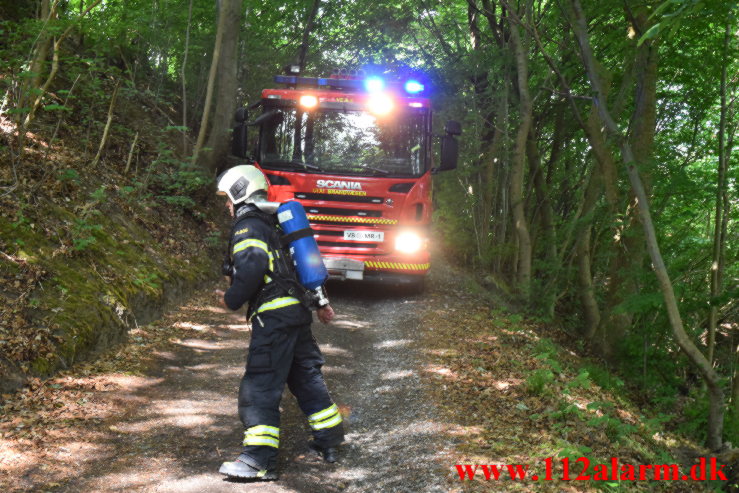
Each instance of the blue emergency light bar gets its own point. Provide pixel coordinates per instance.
(371, 84)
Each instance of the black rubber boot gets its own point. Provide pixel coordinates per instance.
(329, 454)
(240, 469)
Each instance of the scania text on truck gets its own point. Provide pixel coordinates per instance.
(356, 151)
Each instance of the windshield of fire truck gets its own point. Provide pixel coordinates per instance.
(345, 142)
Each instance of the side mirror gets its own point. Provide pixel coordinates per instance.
(449, 146)
(272, 117)
(241, 115)
(239, 146)
(453, 128)
(449, 153)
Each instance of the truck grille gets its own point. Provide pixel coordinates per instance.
(330, 211)
(337, 216)
(339, 198)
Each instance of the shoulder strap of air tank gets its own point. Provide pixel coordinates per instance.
(285, 240)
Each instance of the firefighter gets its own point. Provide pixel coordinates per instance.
(282, 348)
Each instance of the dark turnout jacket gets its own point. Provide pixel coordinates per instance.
(254, 251)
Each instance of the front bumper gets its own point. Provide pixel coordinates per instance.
(392, 269)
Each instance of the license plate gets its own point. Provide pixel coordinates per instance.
(378, 236)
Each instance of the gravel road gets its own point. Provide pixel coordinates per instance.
(179, 422)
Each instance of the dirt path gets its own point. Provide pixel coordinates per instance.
(170, 427)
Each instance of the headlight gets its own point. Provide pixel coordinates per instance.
(380, 104)
(408, 242)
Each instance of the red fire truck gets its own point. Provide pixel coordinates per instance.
(356, 151)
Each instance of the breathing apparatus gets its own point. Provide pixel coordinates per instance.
(247, 185)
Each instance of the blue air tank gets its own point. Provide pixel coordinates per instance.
(306, 257)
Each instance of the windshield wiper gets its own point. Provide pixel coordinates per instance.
(376, 170)
(296, 165)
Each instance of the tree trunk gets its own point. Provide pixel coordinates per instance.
(485, 160)
(184, 80)
(106, 131)
(546, 295)
(41, 51)
(583, 250)
(52, 74)
(716, 394)
(630, 254)
(520, 50)
(218, 140)
(310, 25)
(721, 201)
(210, 87)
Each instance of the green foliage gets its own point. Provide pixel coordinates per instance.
(147, 280)
(57, 107)
(582, 380)
(69, 175)
(84, 234)
(547, 352)
(603, 378)
(538, 381)
(213, 239)
(614, 428)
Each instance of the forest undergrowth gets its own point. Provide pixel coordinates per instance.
(97, 234)
(520, 391)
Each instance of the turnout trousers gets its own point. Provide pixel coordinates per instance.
(280, 354)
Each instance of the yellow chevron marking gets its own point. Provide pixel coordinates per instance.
(396, 265)
(366, 220)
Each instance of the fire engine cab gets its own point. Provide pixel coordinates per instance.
(356, 151)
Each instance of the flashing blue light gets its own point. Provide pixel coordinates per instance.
(413, 87)
(374, 84)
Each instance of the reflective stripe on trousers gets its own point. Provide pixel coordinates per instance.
(327, 418)
(262, 435)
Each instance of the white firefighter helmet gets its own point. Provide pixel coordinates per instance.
(243, 184)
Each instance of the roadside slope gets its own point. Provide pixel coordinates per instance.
(514, 394)
(88, 251)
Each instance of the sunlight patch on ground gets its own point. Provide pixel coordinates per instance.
(441, 370)
(353, 473)
(130, 381)
(207, 367)
(384, 389)
(243, 326)
(179, 421)
(416, 428)
(392, 343)
(505, 384)
(12, 455)
(443, 352)
(337, 370)
(85, 451)
(397, 374)
(165, 355)
(201, 483)
(201, 344)
(332, 350)
(6, 125)
(350, 324)
(463, 431)
(190, 325)
(211, 309)
(17, 455)
(184, 407)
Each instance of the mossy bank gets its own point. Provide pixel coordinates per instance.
(76, 274)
